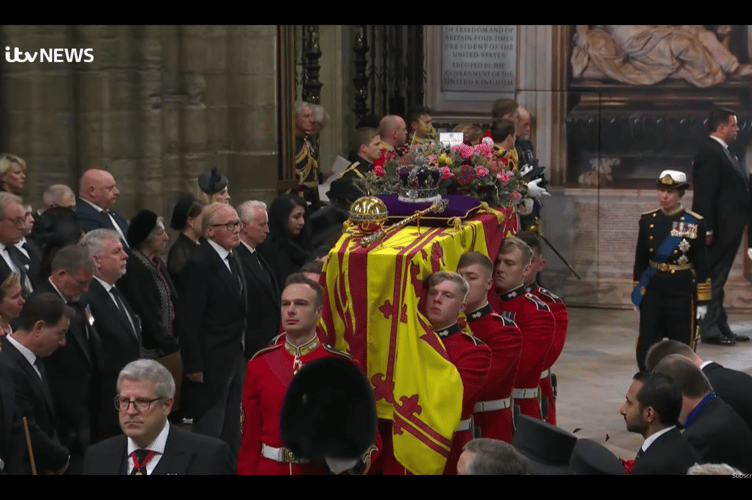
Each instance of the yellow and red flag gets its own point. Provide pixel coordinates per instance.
(372, 310)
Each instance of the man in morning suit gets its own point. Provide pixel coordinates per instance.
(532, 316)
(651, 409)
(12, 227)
(671, 277)
(96, 195)
(722, 197)
(493, 410)
(732, 386)
(149, 445)
(118, 325)
(41, 330)
(713, 428)
(263, 316)
(75, 369)
(210, 317)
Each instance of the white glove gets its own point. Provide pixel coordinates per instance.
(526, 169)
(701, 311)
(749, 253)
(534, 190)
(525, 206)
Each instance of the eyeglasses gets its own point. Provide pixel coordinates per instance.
(231, 225)
(17, 221)
(123, 404)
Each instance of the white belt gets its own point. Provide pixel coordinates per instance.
(525, 393)
(496, 404)
(282, 455)
(546, 374)
(465, 425)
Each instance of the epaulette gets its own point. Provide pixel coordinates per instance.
(505, 320)
(334, 350)
(694, 214)
(267, 349)
(538, 302)
(650, 212)
(550, 294)
(475, 339)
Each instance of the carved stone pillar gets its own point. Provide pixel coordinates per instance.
(361, 78)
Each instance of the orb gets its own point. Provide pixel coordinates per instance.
(368, 213)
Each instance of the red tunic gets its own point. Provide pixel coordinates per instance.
(537, 325)
(473, 360)
(505, 341)
(268, 376)
(561, 317)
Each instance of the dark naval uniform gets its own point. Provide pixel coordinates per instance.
(671, 276)
(307, 170)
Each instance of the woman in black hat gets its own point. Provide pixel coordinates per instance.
(287, 247)
(147, 285)
(213, 187)
(186, 218)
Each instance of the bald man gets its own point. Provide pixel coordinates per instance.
(393, 131)
(96, 195)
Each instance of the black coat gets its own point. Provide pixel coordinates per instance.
(263, 315)
(185, 453)
(720, 436)
(34, 401)
(670, 454)
(150, 293)
(92, 219)
(75, 377)
(210, 319)
(733, 387)
(119, 346)
(721, 196)
(11, 439)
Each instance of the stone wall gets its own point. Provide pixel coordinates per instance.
(158, 106)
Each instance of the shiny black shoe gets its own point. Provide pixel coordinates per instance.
(741, 338)
(720, 340)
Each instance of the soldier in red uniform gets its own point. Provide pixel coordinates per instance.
(531, 315)
(493, 411)
(268, 376)
(444, 303)
(561, 317)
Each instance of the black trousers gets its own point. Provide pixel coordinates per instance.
(715, 324)
(661, 315)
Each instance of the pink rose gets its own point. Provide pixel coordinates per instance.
(484, 150)
(504, 177)
(481, 171)
(378, 171)
(466, 151)
(515, 197)
(446, 173)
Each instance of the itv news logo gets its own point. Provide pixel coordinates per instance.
(50, 55)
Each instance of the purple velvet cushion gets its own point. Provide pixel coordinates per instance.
(459, 206)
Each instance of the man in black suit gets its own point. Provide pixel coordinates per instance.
(652, 408)
(732, 386)
(210, 320)
(41, 330)
(75, 369)
(11, 440)
(12, 227)
(722, 197)
(150, 445)
(96, 195)
(118, 326)
(713, 428)
(263, 314)
(28, 251)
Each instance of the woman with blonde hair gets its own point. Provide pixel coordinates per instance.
(11, 302)
(12, 173)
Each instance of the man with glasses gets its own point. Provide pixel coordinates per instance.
(149, 444)
(12, 226)
(210, 325)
